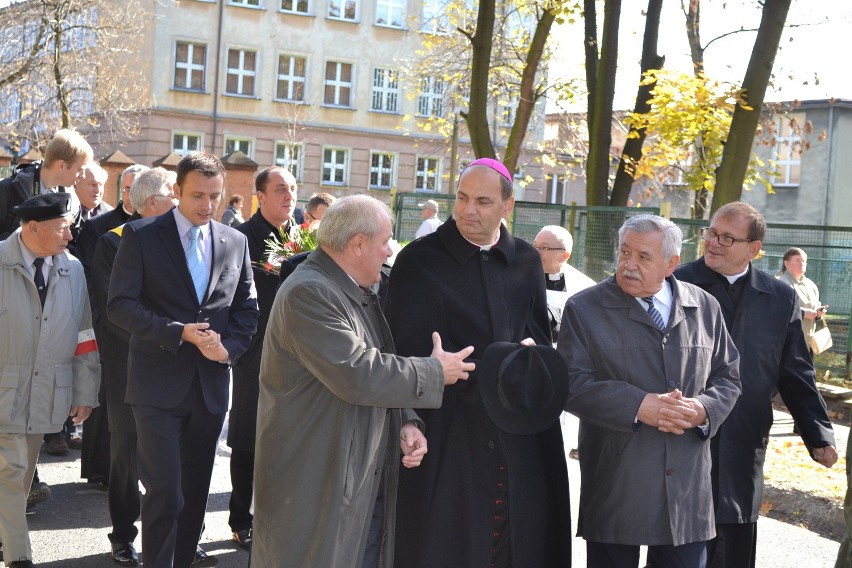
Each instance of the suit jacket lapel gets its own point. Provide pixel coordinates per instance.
(174, 248)
(218, 242)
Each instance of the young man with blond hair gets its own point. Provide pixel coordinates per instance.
(64, 159)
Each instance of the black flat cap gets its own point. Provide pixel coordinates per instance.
(44, 207)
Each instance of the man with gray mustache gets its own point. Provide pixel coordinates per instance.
(653, 374)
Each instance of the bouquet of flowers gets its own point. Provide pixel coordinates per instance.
(299, 238)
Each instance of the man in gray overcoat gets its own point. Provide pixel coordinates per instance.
(330, 432)
(653, 374)
(49, 365)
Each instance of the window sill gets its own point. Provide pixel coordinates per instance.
(239, 96)
(193, 91)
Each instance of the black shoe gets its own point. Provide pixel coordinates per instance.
(22, 564)
(75, 442)
(125, 554)
(38, 493)
(56, 446)
(203, 560)
(242, 538)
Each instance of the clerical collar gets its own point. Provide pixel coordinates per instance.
(735, 277)
(483, 247)
(557, 276)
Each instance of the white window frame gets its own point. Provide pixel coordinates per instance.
(392, 12)
(385, 167)
(341, 7)
(788, 150)
(294, 9)
(239, 142)
(386, 92)
(422, 174)
(509, 110)
(245, 3)
(338, 84)
(291, 78)
(241, 73)
(287, 161)
(430, 101)
(335, 166)
(435, 19)
(553, 188)
(184, 149)
(187, 67)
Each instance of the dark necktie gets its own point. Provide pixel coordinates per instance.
(38, 278)
(656, 317)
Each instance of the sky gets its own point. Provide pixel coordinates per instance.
(810, 64)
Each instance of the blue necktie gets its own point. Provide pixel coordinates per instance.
(195, 262)
(655, 315)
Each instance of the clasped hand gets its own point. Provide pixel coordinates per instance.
(671, 412)
(208, 341)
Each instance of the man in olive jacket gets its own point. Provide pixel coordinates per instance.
(764, 319)
(329, 430)
(653, 374)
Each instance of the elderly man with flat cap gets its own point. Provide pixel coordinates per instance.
(50, 363)
(484, 496)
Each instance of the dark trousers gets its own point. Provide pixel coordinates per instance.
(735, 546)
(176, 449)
(94, 458)
(124, 503)
(373, 551)
(242, 478)
(603, 555)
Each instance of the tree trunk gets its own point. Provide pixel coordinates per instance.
(590, 47)
(632, 152)
(528, 95)
(477, 114)
(693, 36)
(735, 157)
(600, 140)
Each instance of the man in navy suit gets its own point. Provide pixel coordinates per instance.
(182, 288)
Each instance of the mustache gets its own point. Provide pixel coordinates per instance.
(631, 274)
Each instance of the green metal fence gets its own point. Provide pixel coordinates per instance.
(595, 232)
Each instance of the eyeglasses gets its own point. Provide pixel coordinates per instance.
(709, 234)
(541, 248)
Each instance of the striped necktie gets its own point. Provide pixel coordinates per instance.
(655, 315)
(195, 262)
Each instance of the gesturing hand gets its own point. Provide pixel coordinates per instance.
(454, 365)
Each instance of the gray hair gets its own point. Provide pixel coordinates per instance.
(148, 183)
(562, 235)
(97, 171)
(134, 170)
(350, 216)
(644, 223)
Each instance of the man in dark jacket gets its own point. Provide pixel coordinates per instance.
(153, 195)
(763, 317)
(483, 496)
(653, 374)
(64, 158)
(276, 196)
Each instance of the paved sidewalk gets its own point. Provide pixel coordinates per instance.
(70, 529)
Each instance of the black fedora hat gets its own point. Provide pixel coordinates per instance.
(524, 388)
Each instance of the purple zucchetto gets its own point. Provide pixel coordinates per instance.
(494, 165)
